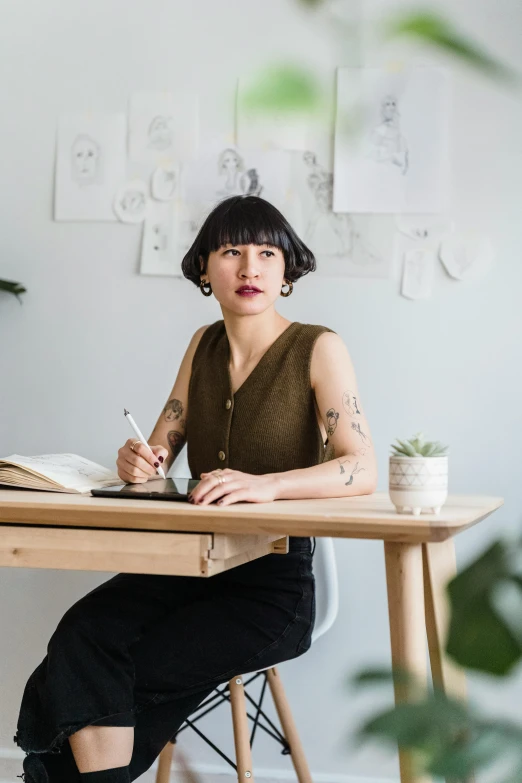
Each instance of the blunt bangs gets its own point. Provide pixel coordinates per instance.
(248, 220)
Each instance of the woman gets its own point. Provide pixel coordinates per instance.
(255, 398)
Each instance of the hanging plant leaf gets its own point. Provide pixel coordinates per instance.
(13, 288)
(285, 87)
(439, 32)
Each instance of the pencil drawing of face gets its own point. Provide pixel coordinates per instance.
(230, 161)
(389, 110)
(160, 133)
(85, 159)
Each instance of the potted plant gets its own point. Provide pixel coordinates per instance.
(418, 478)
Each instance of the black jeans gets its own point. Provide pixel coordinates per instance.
(145, 651)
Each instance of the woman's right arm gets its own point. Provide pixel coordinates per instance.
(169, 435)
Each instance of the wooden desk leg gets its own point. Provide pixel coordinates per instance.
(404, 578)
(440, 566)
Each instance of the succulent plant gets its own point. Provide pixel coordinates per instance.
(418, 447)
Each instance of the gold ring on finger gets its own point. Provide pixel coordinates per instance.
(133, 447)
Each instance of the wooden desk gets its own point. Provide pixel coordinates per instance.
(51, 530)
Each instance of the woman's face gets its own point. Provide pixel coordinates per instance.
(233, 266)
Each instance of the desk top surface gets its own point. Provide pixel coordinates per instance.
(367, 516)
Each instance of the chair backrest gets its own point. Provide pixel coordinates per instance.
(326, 586)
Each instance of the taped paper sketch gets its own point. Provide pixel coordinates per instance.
(163, 124)
(417, 275)
(165, 182)
(159, 249)
(90, 165)
(130, 203)
(398, 158)
(466, 255)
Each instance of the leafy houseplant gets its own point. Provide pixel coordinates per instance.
(418, 475)
(13, 288)
(448, 737)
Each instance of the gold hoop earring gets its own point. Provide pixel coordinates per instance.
(290, 289)
(202, 285)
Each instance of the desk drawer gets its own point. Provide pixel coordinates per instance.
(131, 551)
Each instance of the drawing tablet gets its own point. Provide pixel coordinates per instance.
(154, 489)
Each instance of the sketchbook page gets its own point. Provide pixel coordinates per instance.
(64, 470)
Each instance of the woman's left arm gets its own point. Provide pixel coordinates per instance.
(351, 468)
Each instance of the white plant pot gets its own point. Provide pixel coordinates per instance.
(418, 483)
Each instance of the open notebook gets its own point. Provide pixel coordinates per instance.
(55, 473)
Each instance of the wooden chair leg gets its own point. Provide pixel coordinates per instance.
(440, 565)
(288, 725)
(164, 764)
(404, 578)
(241, 731)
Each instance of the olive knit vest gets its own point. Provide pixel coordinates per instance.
(269, 425)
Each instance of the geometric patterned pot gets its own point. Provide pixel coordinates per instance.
(418, 483)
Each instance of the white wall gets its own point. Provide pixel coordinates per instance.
(93, 336)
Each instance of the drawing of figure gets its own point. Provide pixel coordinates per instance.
(334, 232)
(160, 133)
(231, 170)
(85, 160)
(320, 182)
(386, 144)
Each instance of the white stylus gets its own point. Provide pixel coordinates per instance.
(140, 436)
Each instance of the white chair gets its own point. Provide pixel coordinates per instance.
(235, 691)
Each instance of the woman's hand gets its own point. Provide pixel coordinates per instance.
(139, 465)
(236, 487)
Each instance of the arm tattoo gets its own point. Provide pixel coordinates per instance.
(176, 442)
(356, 469)
(357, 427)
(342, 463)
(173, 410)
(331, 420)
(350, 404)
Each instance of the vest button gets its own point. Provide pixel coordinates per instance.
(221, 455)
(228, 404)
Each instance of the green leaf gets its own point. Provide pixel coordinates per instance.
(13, 288)
(381, 676)
(409, 450)
(284, 87)
(439, 32)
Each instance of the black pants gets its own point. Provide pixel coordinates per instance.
(145, 651)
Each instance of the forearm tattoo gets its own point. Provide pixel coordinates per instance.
(356, 470)
(173, 410)
(176, 442)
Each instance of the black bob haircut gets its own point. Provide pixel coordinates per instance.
(248, 220)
